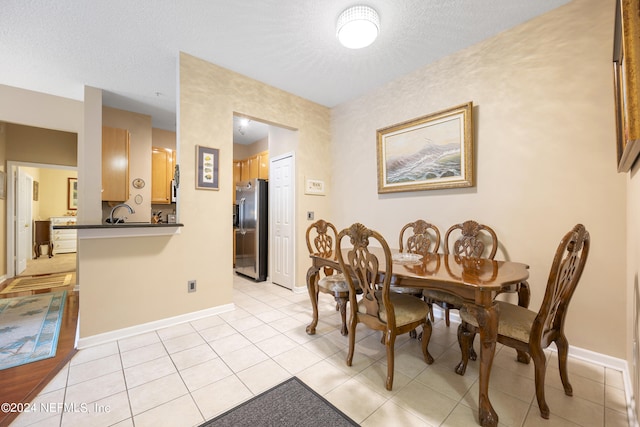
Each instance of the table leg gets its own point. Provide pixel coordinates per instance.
(312, 278)
(487, 318)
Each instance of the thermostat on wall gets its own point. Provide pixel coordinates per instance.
(314, 186)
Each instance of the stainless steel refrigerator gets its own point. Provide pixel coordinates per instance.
(251, 234)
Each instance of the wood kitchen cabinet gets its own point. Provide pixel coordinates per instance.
(163, 162)
(115, 164)
(263, 165)
(256, 166)
(237, 173)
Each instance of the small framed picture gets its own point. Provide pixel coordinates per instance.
(3, 180)
(72, 194)
(207, 161)
(36, 191)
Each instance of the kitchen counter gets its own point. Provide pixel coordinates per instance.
(127, 229)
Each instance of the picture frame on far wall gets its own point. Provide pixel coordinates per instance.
(3, 181)
(428, 153)
(36, 191)
(72, 194)
(207, 163)
(626, 66)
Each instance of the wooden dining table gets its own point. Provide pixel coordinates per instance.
(476, 281)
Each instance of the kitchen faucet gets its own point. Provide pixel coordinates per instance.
(119, 220)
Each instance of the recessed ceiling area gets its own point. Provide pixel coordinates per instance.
(247, 131)
(130, 48)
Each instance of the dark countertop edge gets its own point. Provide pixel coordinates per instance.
(114, 226)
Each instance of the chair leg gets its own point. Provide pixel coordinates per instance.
(446, 317)
(465, 341)
(427, 329)
(342, 308)
(430, 304)
(563, 351)
(539, 362)
(353, 322)
(390, 343)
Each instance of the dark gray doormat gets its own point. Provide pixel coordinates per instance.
(291, 403)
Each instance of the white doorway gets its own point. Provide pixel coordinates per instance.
(282, 208)
(23, 232)
(19, 227)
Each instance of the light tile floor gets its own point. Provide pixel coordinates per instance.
(185, 374)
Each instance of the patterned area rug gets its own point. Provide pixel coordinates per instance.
(37, 283)
(289, 404)
(29, 328)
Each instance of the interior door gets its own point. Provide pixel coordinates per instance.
(24, 191)
(281, 192)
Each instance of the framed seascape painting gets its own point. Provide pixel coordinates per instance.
(207, 161)
(427, 153)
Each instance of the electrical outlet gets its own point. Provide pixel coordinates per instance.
(191, 286)
(310, 215)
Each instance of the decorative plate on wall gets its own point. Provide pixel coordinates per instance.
(138, 183)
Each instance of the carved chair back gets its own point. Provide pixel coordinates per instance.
(425, 238)
(566, 270)
(365, 266)
(475, 240)
(320, 238)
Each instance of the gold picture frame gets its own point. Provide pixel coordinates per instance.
(428, 153)
(626, 46)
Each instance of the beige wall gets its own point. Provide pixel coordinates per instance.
(38, 145)
(633, 284)
(243, 151)
(53, 197)
(163, 138)
(545, 156)
(209, 97)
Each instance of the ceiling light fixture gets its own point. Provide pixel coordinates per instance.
(358, 27)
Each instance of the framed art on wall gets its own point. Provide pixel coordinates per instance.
(626, 46)
(427, 153)
(72, 194)
(207, 161)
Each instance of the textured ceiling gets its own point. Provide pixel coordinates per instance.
(130, 48)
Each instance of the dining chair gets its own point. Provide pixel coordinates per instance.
(417, 237)
(379, 308)
(530, 332)
(473, 240)
(321, 238)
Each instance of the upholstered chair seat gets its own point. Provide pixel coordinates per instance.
(515, 321)
(407, 309)
(334, 284)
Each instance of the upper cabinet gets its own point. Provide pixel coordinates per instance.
(256, 166)
(115, 164)
(163, 162)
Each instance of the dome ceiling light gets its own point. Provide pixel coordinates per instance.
(358, 27)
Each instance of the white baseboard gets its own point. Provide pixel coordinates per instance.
(110, 336)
